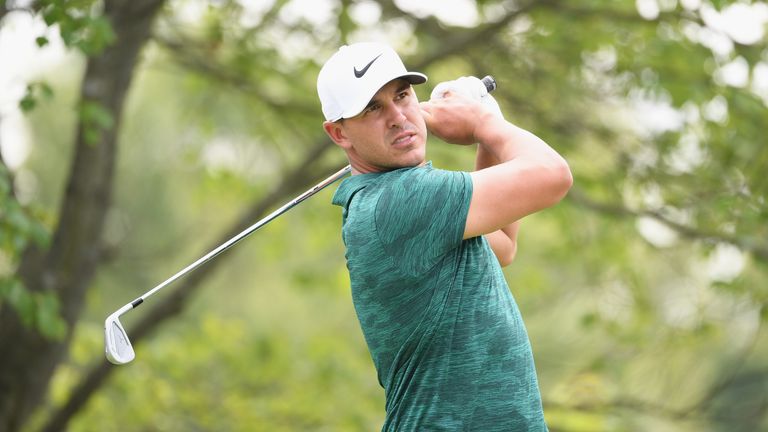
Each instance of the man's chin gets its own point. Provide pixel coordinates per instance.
(413, 161)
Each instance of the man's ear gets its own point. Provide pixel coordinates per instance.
(335, 131)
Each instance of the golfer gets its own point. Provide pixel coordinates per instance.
(425, 246)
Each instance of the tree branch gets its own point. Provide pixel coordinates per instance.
(455, 42)
(198, 62)
(760, 251)
(734, 371)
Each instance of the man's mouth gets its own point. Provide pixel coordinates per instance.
(404, 139)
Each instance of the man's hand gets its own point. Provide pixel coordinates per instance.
(453, 114)
(471, 87)
(454, 117)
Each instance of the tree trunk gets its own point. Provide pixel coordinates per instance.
(66, 269)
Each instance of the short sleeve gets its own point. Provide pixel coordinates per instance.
(421, 216)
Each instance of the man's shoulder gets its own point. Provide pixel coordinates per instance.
(426, 179)
(401, 183)
(426, 173)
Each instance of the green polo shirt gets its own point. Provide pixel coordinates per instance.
(442, 327)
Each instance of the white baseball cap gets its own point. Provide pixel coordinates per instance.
(353, 75)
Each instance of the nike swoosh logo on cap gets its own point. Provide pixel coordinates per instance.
(361, 72)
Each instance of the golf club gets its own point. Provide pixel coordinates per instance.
(118, 347)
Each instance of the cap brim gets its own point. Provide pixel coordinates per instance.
(411, 77)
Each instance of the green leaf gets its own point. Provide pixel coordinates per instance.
(22, 302)
(39, 234)
(5, 288)
(48, 320)
(91, 136)
(95, 119)
(39, 311)
(27, 103)
(91, 35)
(45, 90)
(590, 320)
(96, 114)
(16, 218)
(53, 14)
(719, 4)
(5, 183)
(34, 90)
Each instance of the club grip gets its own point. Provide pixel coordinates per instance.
(490, 83)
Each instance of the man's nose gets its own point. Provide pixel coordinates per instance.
(396, 116)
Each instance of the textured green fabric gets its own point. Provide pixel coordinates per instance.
(444, 332)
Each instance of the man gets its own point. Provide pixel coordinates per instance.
(425, 246)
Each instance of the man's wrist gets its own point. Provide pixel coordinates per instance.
(494, 136)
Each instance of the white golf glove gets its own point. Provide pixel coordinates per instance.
(471, 87)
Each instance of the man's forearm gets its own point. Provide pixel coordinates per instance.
(500, 141)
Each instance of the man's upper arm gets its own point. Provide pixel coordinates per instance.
(509, 191)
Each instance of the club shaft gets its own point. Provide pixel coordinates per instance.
(245, 233)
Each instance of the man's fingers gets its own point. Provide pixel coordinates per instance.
(441, 91)
(467, 86)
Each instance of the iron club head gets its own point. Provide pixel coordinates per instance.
(117, 345)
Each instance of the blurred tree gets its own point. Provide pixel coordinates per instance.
(66, 267)
(645, 292)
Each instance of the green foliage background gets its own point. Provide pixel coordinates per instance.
(630, 333)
